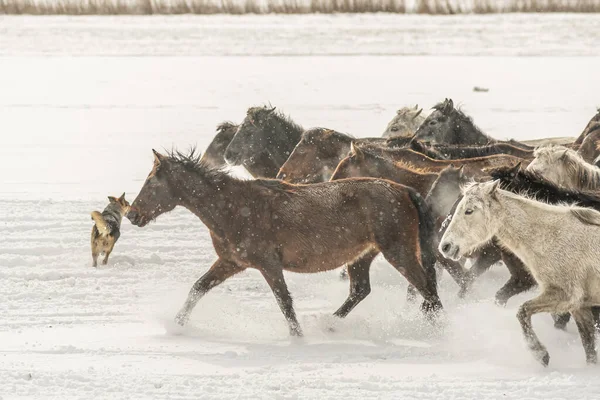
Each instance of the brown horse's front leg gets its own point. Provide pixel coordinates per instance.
(218, 272)
(274, 277)
(360, 285)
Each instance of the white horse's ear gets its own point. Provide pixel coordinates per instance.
(494, 189)
(417, 114)
(564, 154)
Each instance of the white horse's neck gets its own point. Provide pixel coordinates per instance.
(521, 224)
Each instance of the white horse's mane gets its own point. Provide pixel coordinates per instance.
(572, 163)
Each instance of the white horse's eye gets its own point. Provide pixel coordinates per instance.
(468, 212)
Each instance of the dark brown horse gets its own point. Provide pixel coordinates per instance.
(259, 166)
(265, 138)
(588, 128)
(273, 226)
(215, 152)
(590, 147)
(452, 152)
(319, 152)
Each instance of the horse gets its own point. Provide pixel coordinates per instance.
(320, 150)
(264, 131)
(449, 125)
(450, 152)
(361, 163)
(405, 123)
(588, 128)
(214, 154)
(590, 147)
(472, 166)
(272, 226)
(364, 164)
(259, 166)
(562, 261)
(564, 167)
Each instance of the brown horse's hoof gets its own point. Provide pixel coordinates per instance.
(432, 310)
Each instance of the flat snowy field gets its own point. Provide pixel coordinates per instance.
(82, 102)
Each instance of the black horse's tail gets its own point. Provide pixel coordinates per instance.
(428, 238)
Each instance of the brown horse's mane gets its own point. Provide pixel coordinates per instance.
(413, 168)
(372, 152)
(192, 162)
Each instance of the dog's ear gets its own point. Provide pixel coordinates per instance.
(113, 199)
(122, 198)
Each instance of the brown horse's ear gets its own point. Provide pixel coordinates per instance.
(327, 133)
(417, 114)
(113, 199)
(516, 168)
(356, 152)
(158, 158)
(448, 106)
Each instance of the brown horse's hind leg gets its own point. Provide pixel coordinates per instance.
(520, 280)
(405, 260)
(487, 256)
(220, 271)
(360, 285)
(274, 277)
(585, 324)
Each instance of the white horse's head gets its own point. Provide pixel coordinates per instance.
(473, 223)
(551, 163)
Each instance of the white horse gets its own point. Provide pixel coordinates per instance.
(558, 244)
(564, 167)
(405, 123)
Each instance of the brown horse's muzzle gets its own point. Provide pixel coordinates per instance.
(135, 218)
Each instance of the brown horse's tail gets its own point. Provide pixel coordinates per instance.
(427, 235)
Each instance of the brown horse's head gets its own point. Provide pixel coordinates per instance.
(446, 190)
(350, 167)
(315, 157)
(158, 194)
(215, 152)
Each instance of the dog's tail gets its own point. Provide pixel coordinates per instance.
(101, 224)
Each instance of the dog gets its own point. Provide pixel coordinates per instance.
(107, 227)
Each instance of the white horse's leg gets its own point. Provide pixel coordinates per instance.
(548, 301)
(585, 323)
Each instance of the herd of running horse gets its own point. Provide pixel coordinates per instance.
(430, 193)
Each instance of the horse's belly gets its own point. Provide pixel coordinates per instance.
(323, 258)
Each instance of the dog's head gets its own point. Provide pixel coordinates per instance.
(121, 203)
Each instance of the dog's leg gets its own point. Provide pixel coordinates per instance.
(107, 253)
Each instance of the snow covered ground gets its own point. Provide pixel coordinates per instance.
(82, 102)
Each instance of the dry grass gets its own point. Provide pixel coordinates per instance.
(145, 7)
